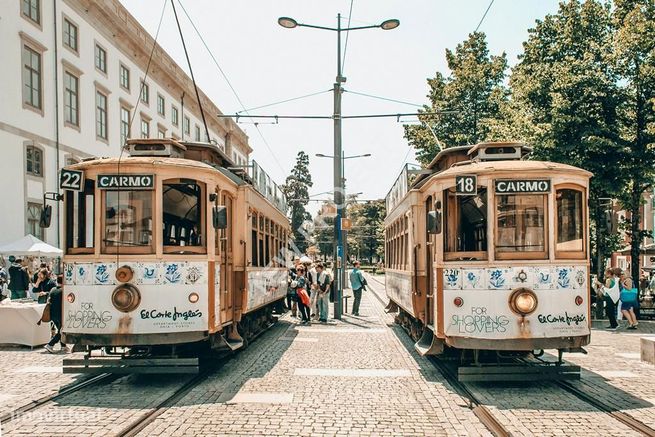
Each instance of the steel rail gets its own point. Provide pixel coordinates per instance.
(66, 390)
(483, 413)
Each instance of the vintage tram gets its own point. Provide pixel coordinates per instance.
(487, 253)
(167, 247)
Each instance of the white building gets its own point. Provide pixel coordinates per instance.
(71, 79)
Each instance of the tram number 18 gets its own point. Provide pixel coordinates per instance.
(466, 185)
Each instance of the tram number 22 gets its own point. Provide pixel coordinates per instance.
(466, 185)
(71, 180)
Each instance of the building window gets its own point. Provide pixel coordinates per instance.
(101, 59)
(174, 119)
(161, 134)
(145, 128)
(101, 115)
(32, 10)
(197, 130)
(71, 99)
(161, 105)
(124, 77)
(31, 77)
(187, 126)
(34, 220)
(34, 161)
(70, 35)
(125, 124)
(145, 93)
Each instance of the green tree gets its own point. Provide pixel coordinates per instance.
(634, 51)
(324, 232)
(296, 189)
(474, 91)
(565, 99)
(366, 239)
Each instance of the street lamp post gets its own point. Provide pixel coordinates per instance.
(339, 198)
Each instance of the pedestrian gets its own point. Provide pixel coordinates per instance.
(19, 280)
(300, 285)
(4, 279)
(55, 318)
(312, 279)
(610, 293)
(42, 285)
(323, 292)
(358, 284)
(291, 291)
(629, 300)
(35, 276)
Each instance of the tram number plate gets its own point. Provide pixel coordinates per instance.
(466, 185)
(71, 180)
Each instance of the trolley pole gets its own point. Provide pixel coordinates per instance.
(339, 259)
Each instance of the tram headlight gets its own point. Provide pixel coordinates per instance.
(70, 298)
(126, 297)
(523, 301)
(193, 297)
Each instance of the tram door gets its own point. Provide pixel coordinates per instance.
(429, 283)
(227, 262)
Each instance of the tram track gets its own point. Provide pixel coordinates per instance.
(494, 426)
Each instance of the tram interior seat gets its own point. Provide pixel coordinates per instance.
(182, 214)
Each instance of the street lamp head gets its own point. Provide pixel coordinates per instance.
(366, 155)
(387, 24)
(289, 23)
(320, 155)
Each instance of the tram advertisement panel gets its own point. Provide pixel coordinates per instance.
(266, 286)
(173, 298)
(477, 302)
(399, 289)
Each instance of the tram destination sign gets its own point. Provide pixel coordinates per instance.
(72, 180)
(514, 186)
(126, 181)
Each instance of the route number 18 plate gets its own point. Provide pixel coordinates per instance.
(71, 180)
(466, 185)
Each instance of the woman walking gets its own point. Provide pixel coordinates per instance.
(301, 288)
(628, 300)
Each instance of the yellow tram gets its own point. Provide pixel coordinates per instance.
(489, 251)
(170, 246)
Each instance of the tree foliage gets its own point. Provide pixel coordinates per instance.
(296, 189)
(366, 239)
(474, 91)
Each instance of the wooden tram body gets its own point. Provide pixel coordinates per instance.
(503, 269)
(147, 266)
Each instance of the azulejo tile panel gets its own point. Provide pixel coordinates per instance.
(452, 279)
(499, 278)
(507, 278)
(544, 278)
(104, 274)
(474, 279)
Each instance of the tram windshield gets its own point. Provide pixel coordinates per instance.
(128, 219)
(466, 227)
(569, 221)
(80, 219)
(520, 223)
(182, 215)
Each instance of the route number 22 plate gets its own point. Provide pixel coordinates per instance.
(71, 180)
(466, 185)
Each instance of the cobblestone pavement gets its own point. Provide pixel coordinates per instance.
(347, 378)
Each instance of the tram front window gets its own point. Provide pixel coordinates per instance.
(520, 225)
(128, 219)
(466, 225)
(569, 221)
(182, 215)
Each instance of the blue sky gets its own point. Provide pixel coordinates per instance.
(266, 63)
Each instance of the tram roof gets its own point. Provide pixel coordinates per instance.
(141, 160)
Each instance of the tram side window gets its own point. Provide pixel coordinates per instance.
(569, 221)
(80, 219)
(521, 225)
(128, 220)
(182, 215)
(465, 225)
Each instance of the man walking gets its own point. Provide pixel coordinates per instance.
(19, 280)
(357, 283)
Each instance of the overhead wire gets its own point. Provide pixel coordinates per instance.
(227, 80)
(345, 48)
(285, 101)
(483, 16)
(382, 98)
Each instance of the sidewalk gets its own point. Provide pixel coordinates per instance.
(350, 377)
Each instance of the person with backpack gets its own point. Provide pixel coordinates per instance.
(55, 317)
(358, 284)
(609, 292)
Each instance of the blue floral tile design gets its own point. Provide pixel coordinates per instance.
(473, 279)
(83, 274)
(69, 274)
(498, 278)
(564, 277)
(104, 274)
(173, 273)
(452, 279)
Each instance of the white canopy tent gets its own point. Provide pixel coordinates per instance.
(29, 245)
